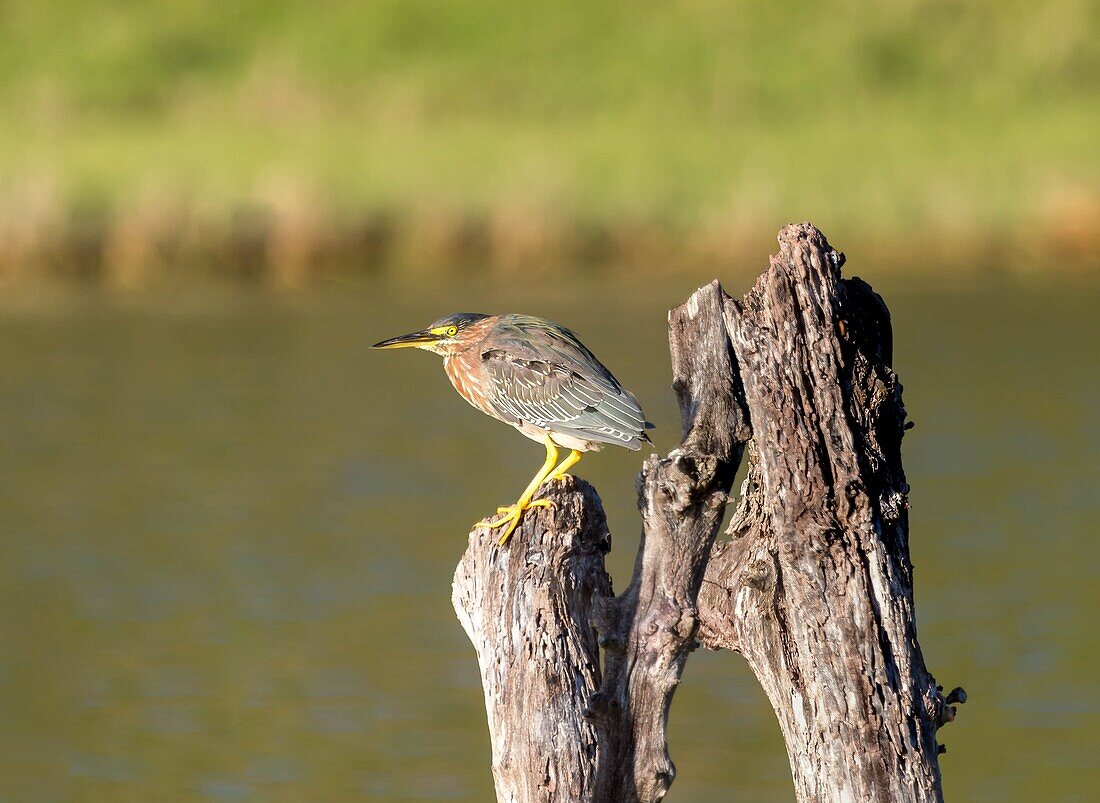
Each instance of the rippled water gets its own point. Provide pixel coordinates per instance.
(228, 533)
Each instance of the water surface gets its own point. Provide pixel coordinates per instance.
(229, 530)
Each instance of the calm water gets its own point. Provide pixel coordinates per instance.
(228, 533)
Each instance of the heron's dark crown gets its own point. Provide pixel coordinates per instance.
(459, 319)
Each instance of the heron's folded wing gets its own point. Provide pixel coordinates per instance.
(561, 398)
(527, 337)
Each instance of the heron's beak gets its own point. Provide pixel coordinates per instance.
(412, 340)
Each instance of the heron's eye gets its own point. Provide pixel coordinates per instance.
(452, 331)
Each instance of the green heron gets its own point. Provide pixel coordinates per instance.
(538, 377)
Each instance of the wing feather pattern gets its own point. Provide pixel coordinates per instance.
(543, 375)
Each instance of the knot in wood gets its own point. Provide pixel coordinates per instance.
(718, 500)
(700, 467)
(662, 781)
(940, 709)
(758, 575)
(684, 477)
(687, 624)
(956, 695)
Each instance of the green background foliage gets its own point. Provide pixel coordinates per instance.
(959, 117)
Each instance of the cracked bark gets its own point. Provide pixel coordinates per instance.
(813, 587)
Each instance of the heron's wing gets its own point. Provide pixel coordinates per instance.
(543, 375)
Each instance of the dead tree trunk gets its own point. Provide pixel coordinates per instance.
(814, 588)
(526, 609)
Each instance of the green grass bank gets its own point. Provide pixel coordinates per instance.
(285, 139)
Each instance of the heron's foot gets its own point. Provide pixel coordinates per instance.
(511, 516)
(509, 509)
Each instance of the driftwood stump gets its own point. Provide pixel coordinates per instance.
(813, 587)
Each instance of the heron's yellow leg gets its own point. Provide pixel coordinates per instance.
(512, 514)
(566, 464)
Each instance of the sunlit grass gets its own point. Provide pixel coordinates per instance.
(959, 117)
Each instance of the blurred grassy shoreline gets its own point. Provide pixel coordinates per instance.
(281, 143)
(152, 247)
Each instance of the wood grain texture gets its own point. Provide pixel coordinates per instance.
(649, 630)
(813, 586)
(526, 609)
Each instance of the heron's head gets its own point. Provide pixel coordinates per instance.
(448, 335)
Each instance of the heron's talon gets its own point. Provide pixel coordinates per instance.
(510, 509)
(492, 524)
(511, 516)
(508, 533)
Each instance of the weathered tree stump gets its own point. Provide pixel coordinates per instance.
(526, 608)
(814, 587)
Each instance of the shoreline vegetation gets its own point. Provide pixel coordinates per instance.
(298, 246)
(262, 141)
